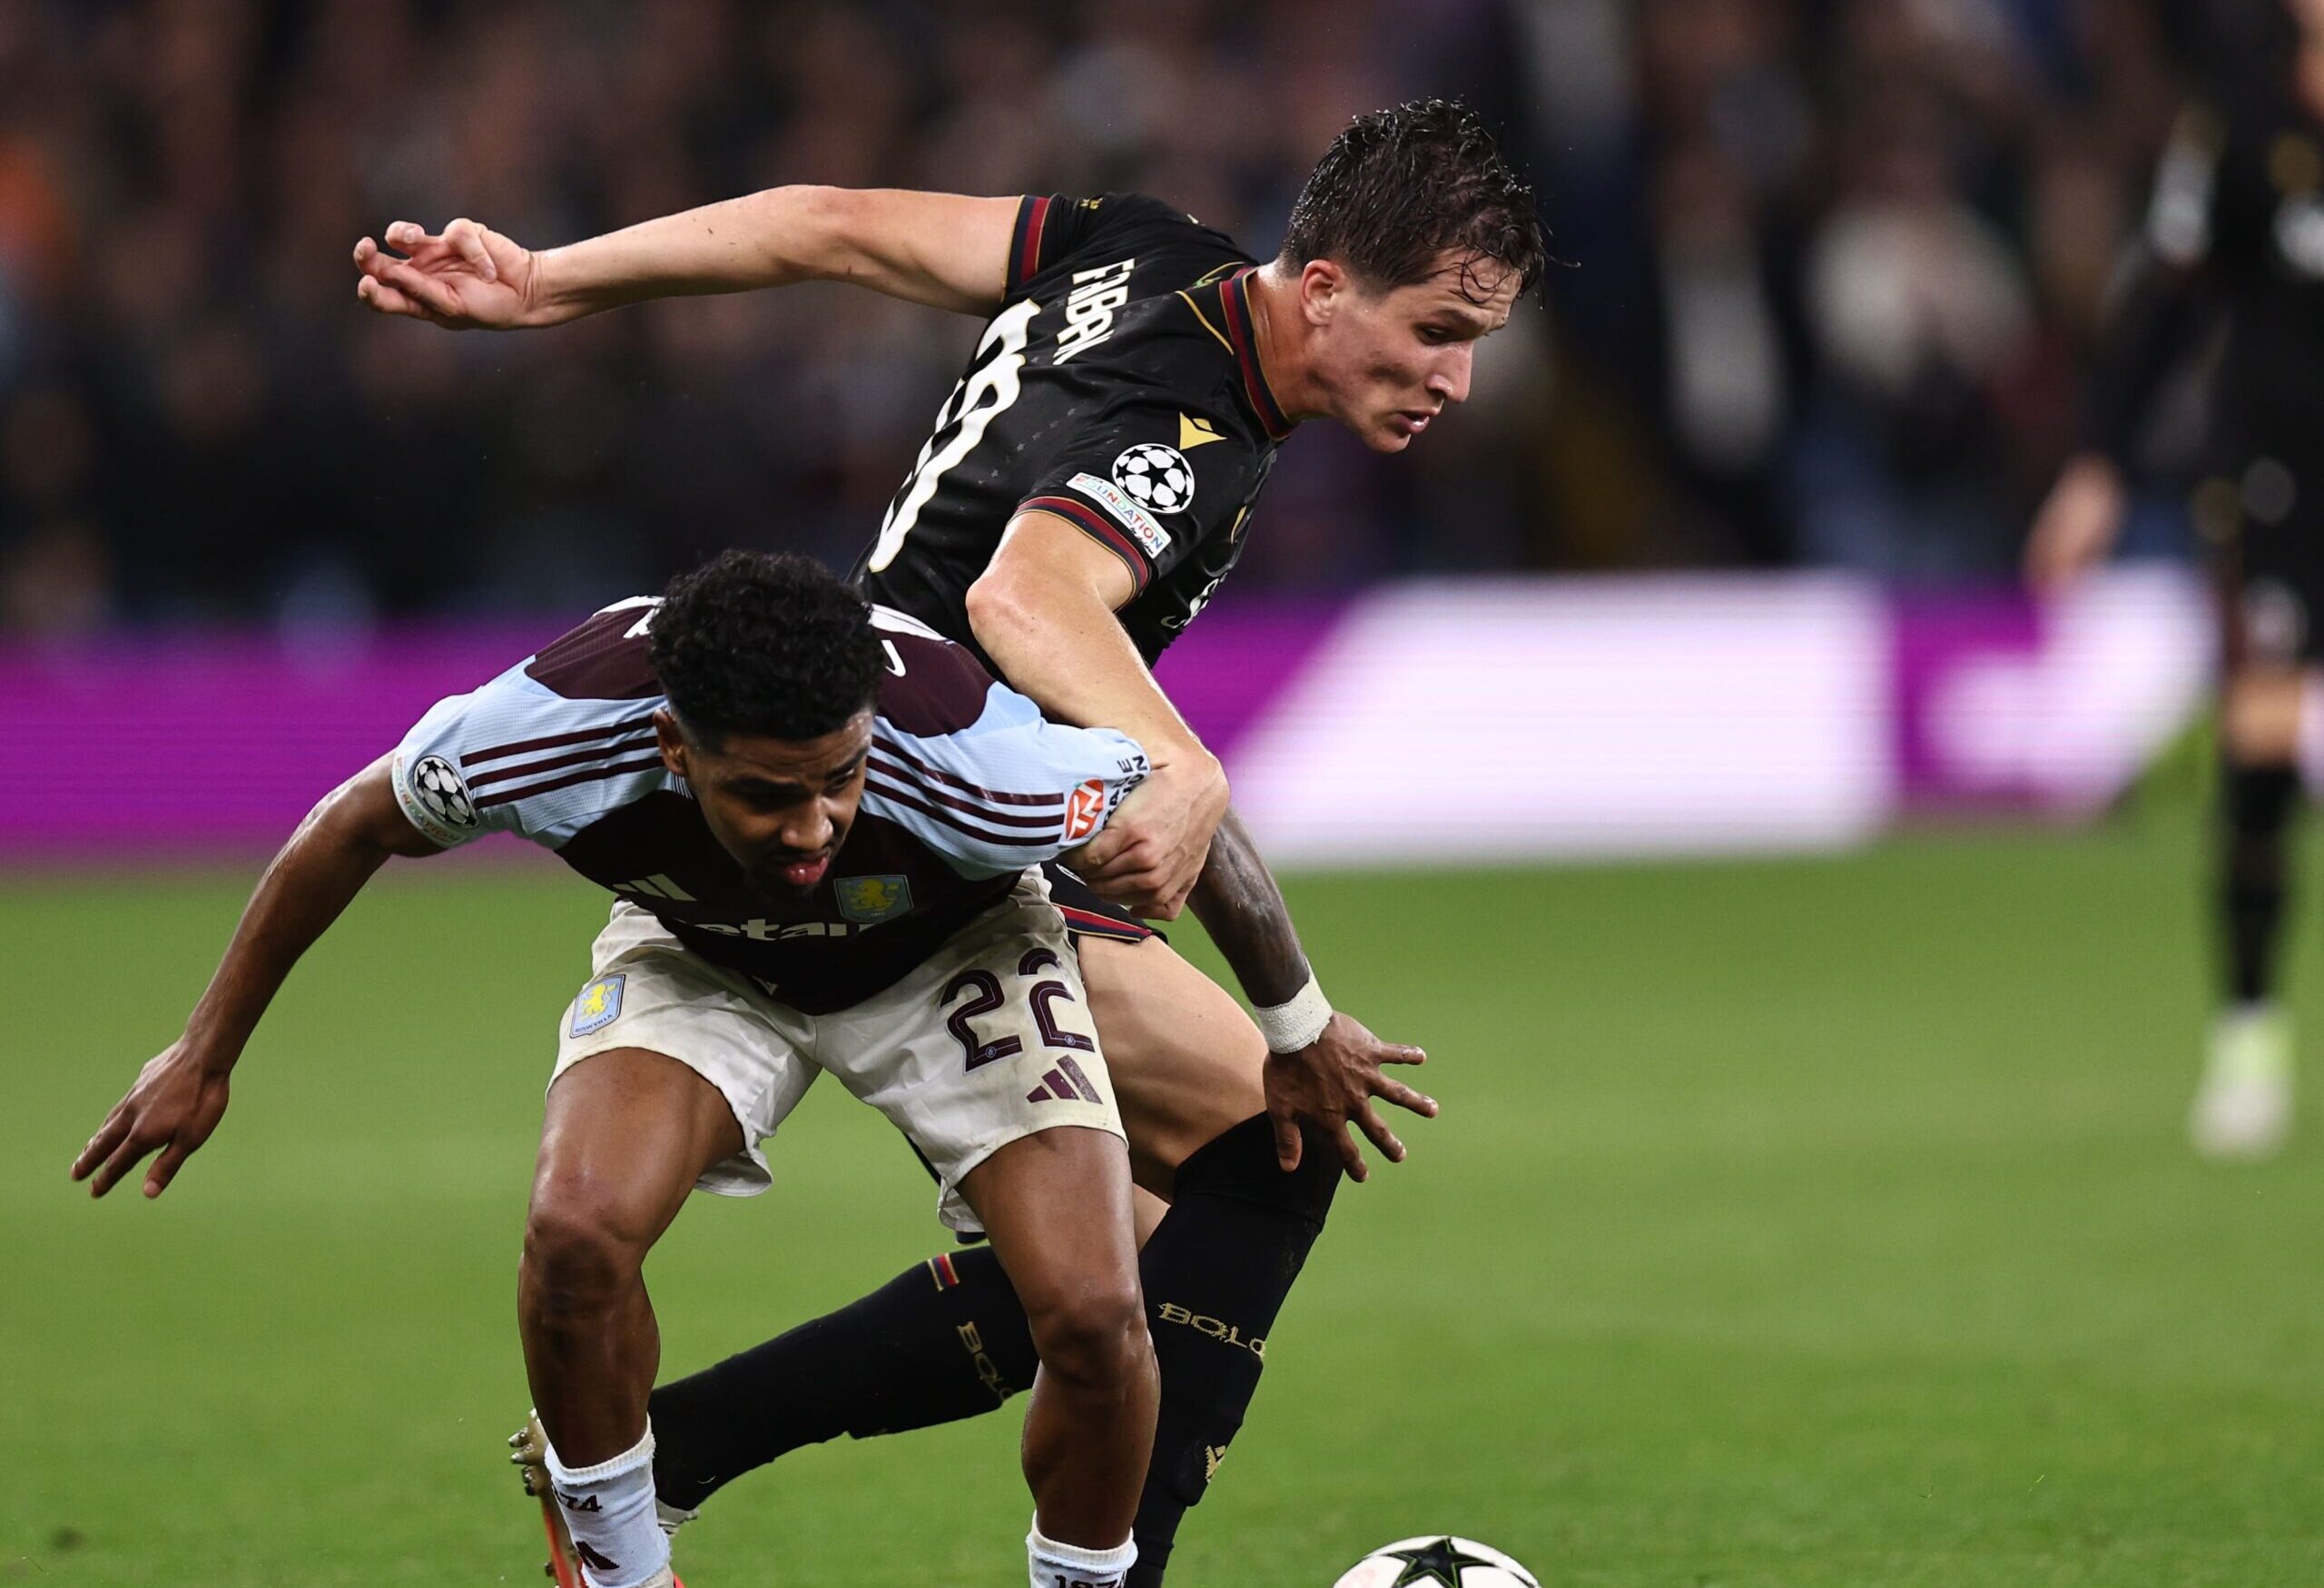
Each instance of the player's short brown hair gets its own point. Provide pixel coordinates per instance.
(1400, 187)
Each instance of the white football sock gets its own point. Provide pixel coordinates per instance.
(1064, 1566)
(608, 1509)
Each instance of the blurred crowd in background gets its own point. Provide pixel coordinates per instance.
(1829, 271)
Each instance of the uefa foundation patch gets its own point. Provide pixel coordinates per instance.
(599, 1004)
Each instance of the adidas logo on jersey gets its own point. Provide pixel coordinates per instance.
(656, 886)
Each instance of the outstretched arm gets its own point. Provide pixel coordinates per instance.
(1321, 1065)
(943, 250)
(180, 1094)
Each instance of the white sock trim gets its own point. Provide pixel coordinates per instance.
(638, 1454)
(1120, 1558)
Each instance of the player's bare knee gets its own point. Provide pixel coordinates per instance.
(1093, 1334)
(580, 1252)
(2259, 716)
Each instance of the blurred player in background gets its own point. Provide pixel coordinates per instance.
(817, 821)
(2236, 228)
(1085, 489)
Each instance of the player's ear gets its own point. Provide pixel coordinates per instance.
(1322, 287)
(672, 741)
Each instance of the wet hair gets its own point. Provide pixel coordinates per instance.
(1400, 187)
(766, 646)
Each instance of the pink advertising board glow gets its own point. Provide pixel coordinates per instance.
(1430, 721)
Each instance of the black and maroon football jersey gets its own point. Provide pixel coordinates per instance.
(1120, 388)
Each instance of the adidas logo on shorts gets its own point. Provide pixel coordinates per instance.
(1064, 1084)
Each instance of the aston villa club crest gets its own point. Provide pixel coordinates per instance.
(868, 901)
(599, 1004)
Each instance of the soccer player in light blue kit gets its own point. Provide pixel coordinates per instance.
(820, 821)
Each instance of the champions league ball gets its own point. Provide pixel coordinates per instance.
(1437, 1560)
(439, 789)
(1157, 478)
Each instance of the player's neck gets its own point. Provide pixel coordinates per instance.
(1276, 327)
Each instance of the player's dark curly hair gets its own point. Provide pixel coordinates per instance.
(1400, 187)
(769, 646)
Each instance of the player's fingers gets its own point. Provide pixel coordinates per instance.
(1377, 1128)
(1401, 1053)
(165, 1168)
(386, 299)
(1351, 1155)
(1403, 1097)
(425, 293)
(1130, 887)
(1103, 852)
(96, 1151)
(124, 1157)
(466, 236)
(422, 288)
(105, 1138)
(408, 235)
(1286, 1138)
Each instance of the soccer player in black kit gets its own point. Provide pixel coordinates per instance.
(2236, 227)
(1087, 486)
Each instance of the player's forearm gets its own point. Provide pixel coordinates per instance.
(733, 246)
(936, 249)
(305, 888)
(1240, 906)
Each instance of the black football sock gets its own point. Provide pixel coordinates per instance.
(943, 1340)
(1216, 1270)
(2257, 805)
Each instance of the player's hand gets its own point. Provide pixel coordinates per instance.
(466, 277)
(1333, 1081)
(1152, 851)
(177, 1102)
(2075, 529)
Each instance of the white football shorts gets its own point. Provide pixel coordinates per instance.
(1015, 989)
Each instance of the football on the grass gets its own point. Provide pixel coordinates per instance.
(1439, 1558)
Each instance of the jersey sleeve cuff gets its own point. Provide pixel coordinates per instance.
(1026, 240)
(1099, 528)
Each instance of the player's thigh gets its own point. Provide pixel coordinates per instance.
(728, 1059)
(624, 1138)
(1187, 1062)
(987, 1042)
(1056, 1206)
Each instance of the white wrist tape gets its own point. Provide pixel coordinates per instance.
(1289, 1027)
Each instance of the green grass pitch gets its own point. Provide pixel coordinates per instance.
(1790, 1224)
